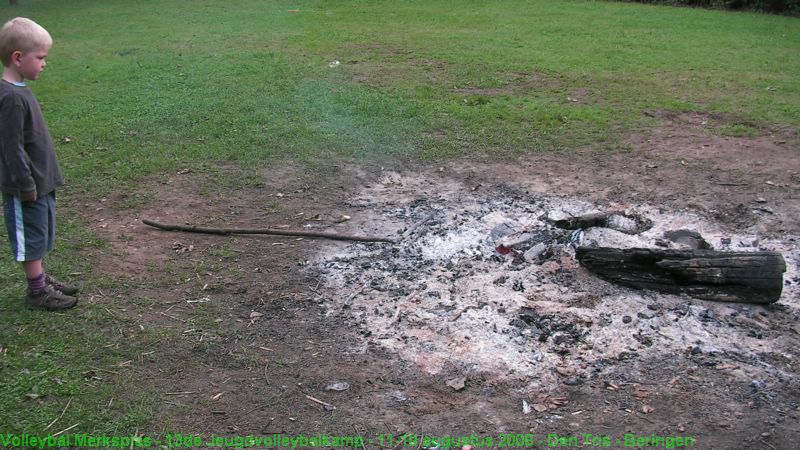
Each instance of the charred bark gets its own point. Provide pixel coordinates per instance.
(752, 277)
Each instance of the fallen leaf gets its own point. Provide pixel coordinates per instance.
(457, 383)
(255, 315)
(338, 386)
(567, 371)
(647, 409)
(641, 393)
(540, 407)
(726, 366)
(526, 408)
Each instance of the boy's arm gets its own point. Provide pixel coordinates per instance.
(14, 160)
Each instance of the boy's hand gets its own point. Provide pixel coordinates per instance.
(27, 196)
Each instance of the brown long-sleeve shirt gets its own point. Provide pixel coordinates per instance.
(28, 164)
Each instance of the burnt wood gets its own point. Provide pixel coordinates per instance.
(752, 277)
(268, 231)
(584, 221)
(604, 219)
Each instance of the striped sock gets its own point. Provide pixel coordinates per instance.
(36, 285)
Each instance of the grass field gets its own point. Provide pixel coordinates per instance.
(134, 89)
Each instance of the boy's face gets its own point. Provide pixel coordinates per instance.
(30, 64)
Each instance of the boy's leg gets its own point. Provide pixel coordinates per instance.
(34, 272)
(38, 278)
(33, 268)
(60, 286)
(31, 232)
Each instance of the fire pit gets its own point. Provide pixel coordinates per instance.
(483, 282)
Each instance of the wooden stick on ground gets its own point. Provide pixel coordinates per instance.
(316, 400)
(229, 231)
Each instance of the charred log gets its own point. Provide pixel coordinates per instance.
(752, 277)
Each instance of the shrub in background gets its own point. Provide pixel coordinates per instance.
(770, 6)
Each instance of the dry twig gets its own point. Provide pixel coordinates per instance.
(316, 400)
(65, 430)
(59, 417)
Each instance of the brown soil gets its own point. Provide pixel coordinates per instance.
(255, 332)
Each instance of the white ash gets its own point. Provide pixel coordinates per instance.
(445, 299)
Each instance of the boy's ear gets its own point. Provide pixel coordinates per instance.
(16, 57)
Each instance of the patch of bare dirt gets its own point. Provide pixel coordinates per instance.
(441, 336)
(741, 182)
(518, 82)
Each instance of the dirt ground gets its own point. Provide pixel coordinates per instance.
(276, 337)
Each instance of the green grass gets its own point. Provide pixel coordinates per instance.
(739, 130)
(148, 88)
(66, 362)
(188, 82)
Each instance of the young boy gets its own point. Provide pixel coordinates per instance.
(29, 170)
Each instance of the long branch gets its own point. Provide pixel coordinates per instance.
(229, 231)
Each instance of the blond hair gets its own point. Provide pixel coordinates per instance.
(24, 35)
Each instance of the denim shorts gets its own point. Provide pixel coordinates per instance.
(31, 226)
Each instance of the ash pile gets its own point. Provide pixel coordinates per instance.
(483, 282)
